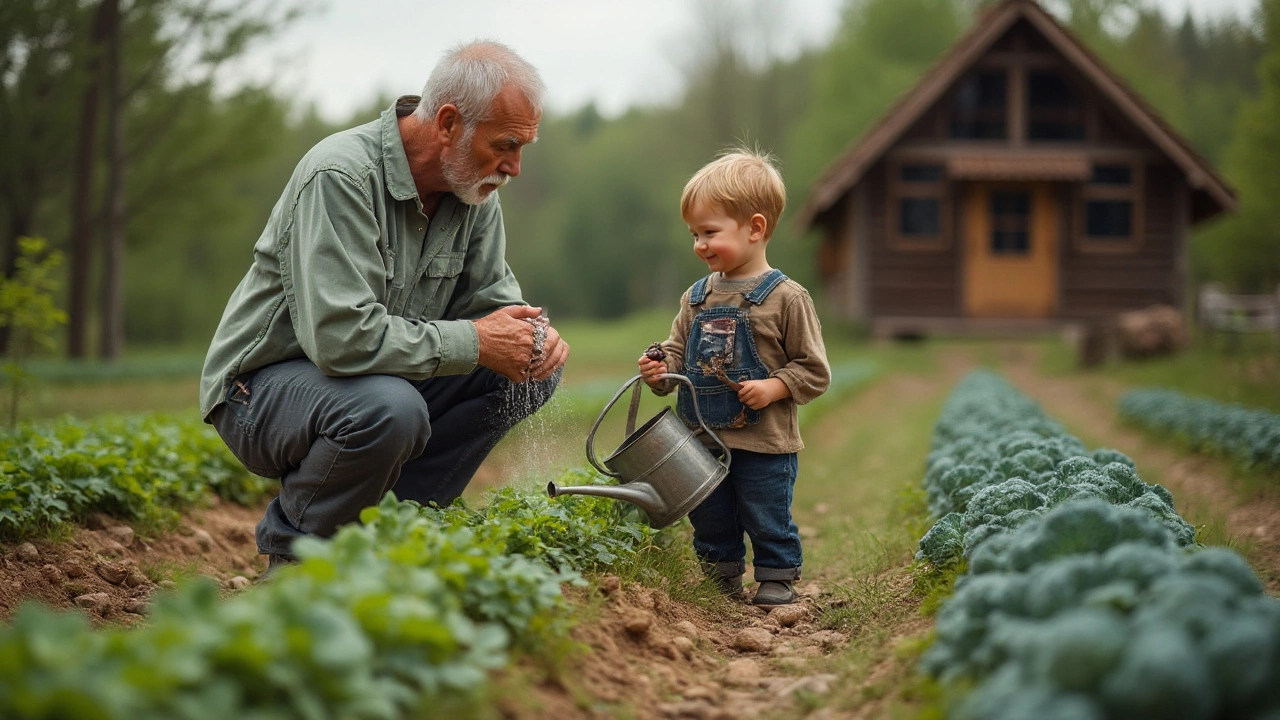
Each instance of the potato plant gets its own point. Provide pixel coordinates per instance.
(141, 468)
(399, 616)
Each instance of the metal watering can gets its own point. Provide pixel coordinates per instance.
(661, 466)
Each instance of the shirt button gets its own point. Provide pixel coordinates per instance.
(419, 229)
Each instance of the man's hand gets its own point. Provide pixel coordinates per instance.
(650, 369)
(756, 394)
(555, 353)
(506, 344)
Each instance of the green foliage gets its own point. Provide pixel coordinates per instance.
(398, 617)
(580, 532)
(1080, 599)
(1244, 251)
(597, 199)
(997, 462)
(1247, 436)
(45, 59)
(28, 314)
(144, 468)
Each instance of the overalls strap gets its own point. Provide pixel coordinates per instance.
(698, 293)
(766, 286)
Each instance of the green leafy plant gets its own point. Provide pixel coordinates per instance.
(1246, 436)
(28, 313)
(142, 468)
(400, 616)
(1084, 594)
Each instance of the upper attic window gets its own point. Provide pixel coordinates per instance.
(978, 110)
(1055, 109)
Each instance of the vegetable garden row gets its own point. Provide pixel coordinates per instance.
(1248, 437)
(1083, 593)
(400, 614)
(144, 468)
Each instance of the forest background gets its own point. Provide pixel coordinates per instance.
(117, 145)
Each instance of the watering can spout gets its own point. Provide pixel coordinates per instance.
(640, 493)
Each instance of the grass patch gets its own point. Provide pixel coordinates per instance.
(859, 604)
(157, 570)
(1249, 376)
(933, 585)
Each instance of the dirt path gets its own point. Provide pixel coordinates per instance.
(1224, 508)
(841, 654)
(845, 652)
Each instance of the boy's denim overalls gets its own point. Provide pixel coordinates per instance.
(755, 498)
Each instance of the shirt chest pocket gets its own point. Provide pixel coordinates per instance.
(431, 296)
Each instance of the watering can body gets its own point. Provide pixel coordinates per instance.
(661, 466)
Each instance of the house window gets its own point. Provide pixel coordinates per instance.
(1110, 207)
(1112, 175)
(1055, 108)
(1109, 219)
(921, 173)
(917, 203)
(920, 216)
(1010, 222)
(978, 110)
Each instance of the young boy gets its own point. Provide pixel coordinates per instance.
(749, 340)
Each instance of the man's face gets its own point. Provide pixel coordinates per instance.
(488, 154)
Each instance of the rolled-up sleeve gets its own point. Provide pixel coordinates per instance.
(333, 275)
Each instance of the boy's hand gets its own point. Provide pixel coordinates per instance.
(756, 394)
(650, 369)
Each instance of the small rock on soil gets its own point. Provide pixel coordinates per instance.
(27, 552)
(753, 640)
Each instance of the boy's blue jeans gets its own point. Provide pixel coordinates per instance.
(756, 499)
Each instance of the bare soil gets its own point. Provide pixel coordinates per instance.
(114, 572)
(652, 657)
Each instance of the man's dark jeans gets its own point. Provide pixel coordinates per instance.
(338, 444)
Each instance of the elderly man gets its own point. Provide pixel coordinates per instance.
(377, 337)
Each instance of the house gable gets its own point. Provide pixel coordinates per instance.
(922, 114)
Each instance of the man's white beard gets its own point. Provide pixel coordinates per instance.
(463, 178)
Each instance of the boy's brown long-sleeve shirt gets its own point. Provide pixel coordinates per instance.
(788, 340)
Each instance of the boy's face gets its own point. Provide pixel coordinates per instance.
(724, 244)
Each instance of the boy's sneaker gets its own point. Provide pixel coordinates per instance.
(731, 587)
(728, 577)
(774, 592)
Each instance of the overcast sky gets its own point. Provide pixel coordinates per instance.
(347, 53)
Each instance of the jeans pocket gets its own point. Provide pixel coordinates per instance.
(299, 491)
(240, 432)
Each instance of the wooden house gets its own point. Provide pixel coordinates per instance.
(1019, 185)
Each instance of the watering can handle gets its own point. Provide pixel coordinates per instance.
(631, 419)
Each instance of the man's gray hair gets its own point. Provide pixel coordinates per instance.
(471, 75)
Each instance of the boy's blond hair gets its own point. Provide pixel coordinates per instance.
(741, 182)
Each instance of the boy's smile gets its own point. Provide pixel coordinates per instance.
(733, 249)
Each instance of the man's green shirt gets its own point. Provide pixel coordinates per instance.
(351, 274)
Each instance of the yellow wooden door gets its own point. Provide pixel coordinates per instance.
(1011, 250)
